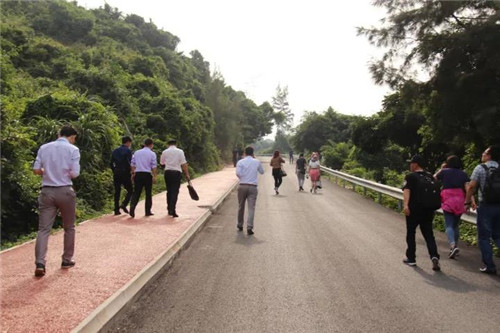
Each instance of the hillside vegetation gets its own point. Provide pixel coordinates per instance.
(109, 75)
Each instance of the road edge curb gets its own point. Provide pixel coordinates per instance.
(111, 306)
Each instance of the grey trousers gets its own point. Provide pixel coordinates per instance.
(50, 200)
(246, 193)
(300, 177)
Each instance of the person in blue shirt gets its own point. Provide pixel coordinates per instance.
(120, 164)
(488, 211)
(247, 170)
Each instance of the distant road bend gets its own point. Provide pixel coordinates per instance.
(329, 262)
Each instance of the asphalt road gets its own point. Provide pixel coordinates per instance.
(329, 262)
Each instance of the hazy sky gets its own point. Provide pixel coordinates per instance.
(309, 46)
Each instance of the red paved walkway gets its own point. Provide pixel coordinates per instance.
(110, 251)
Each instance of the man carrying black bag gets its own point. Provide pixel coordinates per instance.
(421, 199)
(175, 162)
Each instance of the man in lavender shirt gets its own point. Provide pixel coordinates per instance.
(143, 168)
(58, 162)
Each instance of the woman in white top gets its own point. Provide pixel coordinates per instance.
(314, 171)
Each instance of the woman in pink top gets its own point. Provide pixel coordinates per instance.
(454, 181)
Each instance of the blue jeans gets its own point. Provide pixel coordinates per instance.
(488, 226)
(451, 222)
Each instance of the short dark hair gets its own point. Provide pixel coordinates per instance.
(67, 131)
(126, 139)
(494, 152)
(148, 142)
(301, 155)
(172, 142)
(249, 151)
(454, 162)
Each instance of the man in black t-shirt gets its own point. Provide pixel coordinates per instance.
(417, 215)
(300, 170)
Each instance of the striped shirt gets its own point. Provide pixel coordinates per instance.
(479, 175)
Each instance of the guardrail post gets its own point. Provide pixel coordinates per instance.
(400, 205)
(343, 183)
(379, 197)
(354, 187)
(364, 191)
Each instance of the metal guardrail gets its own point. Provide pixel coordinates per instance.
(382, 189)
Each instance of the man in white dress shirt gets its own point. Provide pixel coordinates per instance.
(175, 162)
(247, 170)
(58, 162)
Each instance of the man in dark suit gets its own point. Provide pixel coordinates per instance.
(120, 164)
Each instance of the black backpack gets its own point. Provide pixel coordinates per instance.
(491, 189)
(428, 191)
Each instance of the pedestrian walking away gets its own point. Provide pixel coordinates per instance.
(276, 163)
(120, 164)
(247, 171)
(290, 156)
(174, 161)
(421, 198)
(314, 171)
(58, 162)
(300, 170)
(486, 179)
(143, 169)
(454, 181)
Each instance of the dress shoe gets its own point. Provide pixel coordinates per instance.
(239, 228)
(117, 212)
(132, 213)
(250, 231)
(150, 214)
(40, 270)
(67, 264)
(124, 208)
(175, 215)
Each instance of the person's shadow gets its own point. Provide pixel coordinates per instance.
(247, 240)
(445, 281)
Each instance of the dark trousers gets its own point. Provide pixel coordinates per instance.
(122, 179)
(277, 177)
(424, 219)
(173, 184)
(142, 179)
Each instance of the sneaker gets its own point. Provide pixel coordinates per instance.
(435, 264)
(250, 231)
(67, 264)
(124, 208)
(40, 270)
(239, 228)
(150, 214)
(409, 262)
(487, 270)
(117, 212)
(453, 252)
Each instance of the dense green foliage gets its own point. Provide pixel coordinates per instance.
(109, 76)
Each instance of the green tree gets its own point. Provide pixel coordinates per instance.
(284, 115)
(458, 43)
